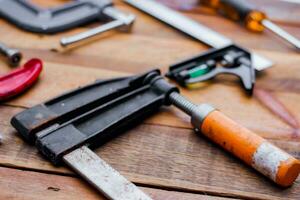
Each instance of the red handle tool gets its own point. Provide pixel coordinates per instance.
(20, 79)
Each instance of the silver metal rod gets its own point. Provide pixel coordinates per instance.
(13, 56)
(198, 113)
(281, 33)
(102, 176)
(91, 33)
(182, 103)
(192, 28)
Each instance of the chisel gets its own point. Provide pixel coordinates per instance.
(192, 28)
(253, 19)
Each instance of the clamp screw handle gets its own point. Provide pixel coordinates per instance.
(182, 103)
(254, 150)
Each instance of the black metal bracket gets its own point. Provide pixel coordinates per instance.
(93, 114)
(230, 60)
(35, 19)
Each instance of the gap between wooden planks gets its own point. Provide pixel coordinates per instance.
(19, 184)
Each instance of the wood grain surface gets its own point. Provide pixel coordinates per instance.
(163, 155)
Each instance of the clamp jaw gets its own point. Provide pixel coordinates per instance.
(65, 128)
(92, 114)
(227, 60)
(32, 18)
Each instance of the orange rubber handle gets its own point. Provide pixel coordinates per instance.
(239, 10)
(257, 152)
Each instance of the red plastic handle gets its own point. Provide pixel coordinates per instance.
(20, 79)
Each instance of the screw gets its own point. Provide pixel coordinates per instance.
(182, 103)
(13, 56)
(197, 112)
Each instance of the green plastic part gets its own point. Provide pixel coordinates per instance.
(199, 71)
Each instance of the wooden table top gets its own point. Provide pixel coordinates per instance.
(163, 155)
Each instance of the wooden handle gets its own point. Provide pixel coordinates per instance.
(257, 152)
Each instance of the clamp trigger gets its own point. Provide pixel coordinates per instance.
(227, 60)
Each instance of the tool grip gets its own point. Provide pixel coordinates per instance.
(241, 8)
(257, 152)
(20, 79)
(243, 12)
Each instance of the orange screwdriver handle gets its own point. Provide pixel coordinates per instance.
(257, 152)
(239, 10)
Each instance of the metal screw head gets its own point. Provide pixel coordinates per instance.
(128, 23)
(14, 57)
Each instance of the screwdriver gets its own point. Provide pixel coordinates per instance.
(254, 20)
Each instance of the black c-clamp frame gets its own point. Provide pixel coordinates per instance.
(30, 17)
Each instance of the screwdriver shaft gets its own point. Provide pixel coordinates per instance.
(281, 33)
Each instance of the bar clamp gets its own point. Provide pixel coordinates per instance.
(65, 128)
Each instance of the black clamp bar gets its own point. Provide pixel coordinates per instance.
(93, 114)
(32, 18)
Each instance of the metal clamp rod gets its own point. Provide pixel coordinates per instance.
(121, 21)
(66, 41)
(197, 112)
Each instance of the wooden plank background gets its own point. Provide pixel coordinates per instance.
(163, 155)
